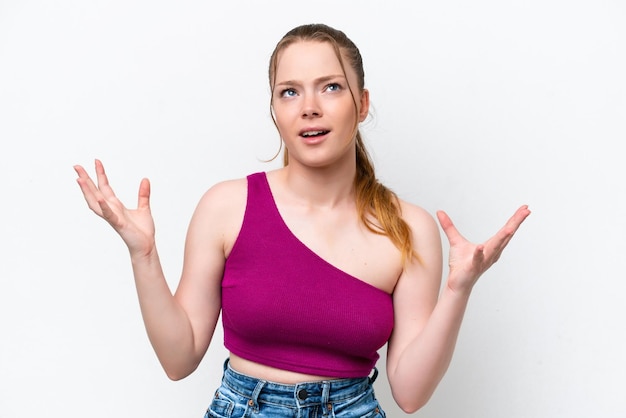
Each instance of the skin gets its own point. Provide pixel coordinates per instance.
(315, 197)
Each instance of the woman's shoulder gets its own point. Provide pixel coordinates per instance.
(233, 188)
(415, 215)
(423, 224)
(220, 212)
(224, 188)
(229, 195)
(225, 196)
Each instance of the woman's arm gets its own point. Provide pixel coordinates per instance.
(179, 327)
(427, 322)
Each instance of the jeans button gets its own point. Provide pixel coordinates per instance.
(303, 394)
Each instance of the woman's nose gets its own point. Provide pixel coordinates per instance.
(310, 107)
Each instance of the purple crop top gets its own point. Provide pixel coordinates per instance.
(285, 307)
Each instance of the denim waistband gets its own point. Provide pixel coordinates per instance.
(298, 395)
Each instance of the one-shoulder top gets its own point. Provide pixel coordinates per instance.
(284, 306)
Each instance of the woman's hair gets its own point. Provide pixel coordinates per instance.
(373, 199)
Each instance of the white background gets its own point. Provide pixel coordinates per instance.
(478, 107)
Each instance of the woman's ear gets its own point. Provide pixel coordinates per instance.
(364, 107)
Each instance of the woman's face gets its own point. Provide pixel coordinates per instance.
(313, 106)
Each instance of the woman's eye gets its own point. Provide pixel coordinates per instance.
(288, 93)
(333, 87)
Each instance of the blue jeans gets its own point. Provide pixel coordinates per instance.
(242, 396)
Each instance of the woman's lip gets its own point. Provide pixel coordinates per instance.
(313, 129)
(312, 140)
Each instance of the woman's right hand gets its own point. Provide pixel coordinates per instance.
(136, 227)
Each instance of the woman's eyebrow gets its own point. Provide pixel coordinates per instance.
(317, 80)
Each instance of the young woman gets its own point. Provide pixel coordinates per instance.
(314, 266)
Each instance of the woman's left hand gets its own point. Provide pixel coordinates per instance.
(468, 261)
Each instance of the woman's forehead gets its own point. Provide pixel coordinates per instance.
(307, 59)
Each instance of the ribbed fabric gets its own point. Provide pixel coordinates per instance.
(285, 307)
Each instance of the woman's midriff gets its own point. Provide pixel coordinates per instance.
(271, 374)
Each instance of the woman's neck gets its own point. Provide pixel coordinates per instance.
(325, 187)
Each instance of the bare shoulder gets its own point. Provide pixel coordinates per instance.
(422, 222)
(220, 212)
(225, 195)
(427, 241)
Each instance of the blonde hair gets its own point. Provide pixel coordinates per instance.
(373, 199)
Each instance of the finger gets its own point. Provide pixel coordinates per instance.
(512, 225)
(505, 234)
(88, 188)
(82, 174)
(518, 217)
(448, 227)
(479, 255)
(90, 198)
(143, 201)
(103, 180)
(108, 214)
